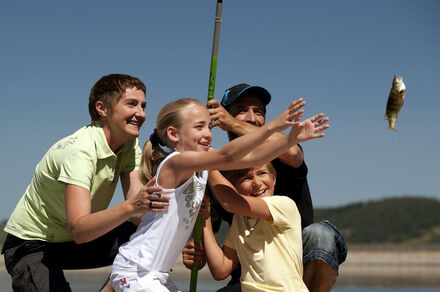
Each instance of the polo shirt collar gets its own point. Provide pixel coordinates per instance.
(102, 148)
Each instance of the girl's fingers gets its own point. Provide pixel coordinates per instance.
(316, 117)
(297, 104)
(296, 115)
(322, 128)
(321, 121)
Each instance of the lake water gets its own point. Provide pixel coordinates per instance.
(91, 283)
(386, 289)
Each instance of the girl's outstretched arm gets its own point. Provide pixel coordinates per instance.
(309, 129)
(226, 157)
(221, 118)
(221, 261)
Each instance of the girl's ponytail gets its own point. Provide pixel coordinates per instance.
(152, 156)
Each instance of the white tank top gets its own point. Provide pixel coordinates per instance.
(160, 238)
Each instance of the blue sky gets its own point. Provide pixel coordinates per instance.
(340, 56)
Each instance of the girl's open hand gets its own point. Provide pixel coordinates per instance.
(309, 129)
(292, 113)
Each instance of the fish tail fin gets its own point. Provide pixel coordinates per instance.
(391, 123)
(392, 128)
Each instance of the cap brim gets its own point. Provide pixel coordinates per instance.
(258, 91)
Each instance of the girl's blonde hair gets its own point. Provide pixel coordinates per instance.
(152, 152)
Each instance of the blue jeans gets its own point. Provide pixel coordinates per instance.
(324, 242)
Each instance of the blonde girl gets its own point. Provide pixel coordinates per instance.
(183, 126)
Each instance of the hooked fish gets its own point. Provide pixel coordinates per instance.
(395, 101)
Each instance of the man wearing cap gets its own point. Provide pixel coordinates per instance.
(242, 108)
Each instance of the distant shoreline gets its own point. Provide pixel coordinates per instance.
(366, 265)
(391, 265)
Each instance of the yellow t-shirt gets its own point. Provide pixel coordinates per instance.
(270, 253)
(83, 159)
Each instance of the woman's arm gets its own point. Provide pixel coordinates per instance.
(86, 226)
(131, 184)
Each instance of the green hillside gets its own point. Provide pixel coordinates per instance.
(409, 220)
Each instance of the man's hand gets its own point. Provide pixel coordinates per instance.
(220, 116)
(192, 254)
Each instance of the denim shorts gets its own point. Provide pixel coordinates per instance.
(324, 242)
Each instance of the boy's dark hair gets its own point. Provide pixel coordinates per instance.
(233, 175)
(110, 89)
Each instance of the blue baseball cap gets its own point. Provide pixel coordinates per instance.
(233, 93)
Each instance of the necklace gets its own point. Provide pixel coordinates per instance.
(251, 228)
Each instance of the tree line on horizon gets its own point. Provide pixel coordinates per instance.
(403, 220)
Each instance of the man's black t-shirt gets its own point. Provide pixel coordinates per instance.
(292, 183)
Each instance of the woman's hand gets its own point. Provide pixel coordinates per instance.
(150, 198)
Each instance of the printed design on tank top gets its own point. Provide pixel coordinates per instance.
(192, 201)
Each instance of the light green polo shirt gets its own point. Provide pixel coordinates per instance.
(83, 159)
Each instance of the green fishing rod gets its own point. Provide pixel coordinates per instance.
(211, 87)
(213, 70)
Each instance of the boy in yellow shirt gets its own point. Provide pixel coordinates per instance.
(265, 235)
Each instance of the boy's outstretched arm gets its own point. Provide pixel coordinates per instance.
(221, 261)
(235, 203)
